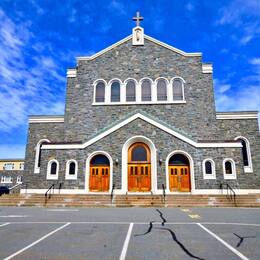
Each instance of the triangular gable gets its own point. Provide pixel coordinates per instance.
(148, 120)
(149, 38)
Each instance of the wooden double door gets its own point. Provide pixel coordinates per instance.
(99, 178)
(179, 178)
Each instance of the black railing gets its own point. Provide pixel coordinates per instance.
(48, 192)
(230, 193)
(164, 195)
(16, 188)
(112, 193)
(60, 185)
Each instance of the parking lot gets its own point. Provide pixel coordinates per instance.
(129, 233)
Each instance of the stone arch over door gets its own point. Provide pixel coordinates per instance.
(125, 149)
(191, 169)
(90, 167)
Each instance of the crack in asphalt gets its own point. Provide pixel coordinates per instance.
(242, 239)
(148, 231)
(162, 217)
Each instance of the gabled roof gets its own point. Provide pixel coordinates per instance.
(157, 123)
(146, 37)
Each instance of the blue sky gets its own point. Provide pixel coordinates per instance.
(39, 40)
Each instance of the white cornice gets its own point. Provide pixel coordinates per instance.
(145, 37)
(237, 115)
(71, 73)
(149, 120)
(46, 119)
(207, 68)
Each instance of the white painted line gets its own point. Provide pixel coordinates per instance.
(224, 242)
(36, 242)
(62, 210)
(5, 224)
(127, 239)
(14, 216)
(235, 224)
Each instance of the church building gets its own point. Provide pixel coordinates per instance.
(140, 118)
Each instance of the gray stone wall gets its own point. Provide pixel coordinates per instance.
(196, 117)
(12, 173)
(164, 143)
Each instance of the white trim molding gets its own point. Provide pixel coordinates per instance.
(71, 73)
(37, 154)
(87, 175)
(248, 168)
(71, 176)
(46, 119)
(237, 115)
(50, 176)
(207, 68)
(213, 168)
(232, 175)
(124, 173)
(148, 120)
(191, 165)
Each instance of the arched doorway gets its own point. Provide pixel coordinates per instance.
(139, 168)
(179, 173)
(99, 173)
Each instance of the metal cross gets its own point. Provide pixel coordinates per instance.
(138, 18)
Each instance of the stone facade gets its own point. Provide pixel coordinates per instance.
(195, 118)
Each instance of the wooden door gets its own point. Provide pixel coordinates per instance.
(139, 177)
(179, 178)
(99, 178)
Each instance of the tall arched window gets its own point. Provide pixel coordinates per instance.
(177, 90)
(71, 170)
(130, 91)
(161, 90)
(115, 92)
(208, 167)
(52, 170)
(146, 90)
(229, 169)
(100, 92)
(38, 153)
(246, 154)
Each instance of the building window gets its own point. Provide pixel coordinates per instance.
(21, 166)
(161, 90)
(246, 154)
(146, 90)
(130, 91)
(177, 90)
(229, 169)
(38, 153)
(208, 167)
(100, 92)
(6, 179)
(9, 166)
(71, 170)
(19, 179)
(52, 170)
(115, 92)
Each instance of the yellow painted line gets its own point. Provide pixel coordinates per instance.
(194, 216)
(185, 210)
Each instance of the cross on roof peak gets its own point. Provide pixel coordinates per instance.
(138, 18)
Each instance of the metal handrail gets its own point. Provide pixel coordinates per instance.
(48, 196)
(164, 194)
(60, 185)
(231, 195)
(112, 193)
(15, 186)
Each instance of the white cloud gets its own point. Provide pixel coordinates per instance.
(117, 7)
(8, 151)
(189, 6)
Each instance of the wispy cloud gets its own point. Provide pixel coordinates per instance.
(12, 151)
(118, 7)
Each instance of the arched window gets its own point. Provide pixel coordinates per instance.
(115, 92)
(139, 152)
(209, 169)
(38, 153)
(179, 159)
(71, 170)
(177, 90)
(229, 169)
(246, 154)
(99, 159)
(52, 170)
(161, 90)
(19, 179)
(130, 91)
(146, 90)
(100, 92)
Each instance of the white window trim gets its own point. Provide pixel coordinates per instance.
(209, 176)
(182, 85)
(233, 166)
(52, 176)
(70, 176)
(249, 168)
(109, 89)
(6, 179)
(94, 92)
(37, 153)
(136, 91)
(19, 179)
(167, 89)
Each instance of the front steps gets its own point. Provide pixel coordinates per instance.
(38, 200)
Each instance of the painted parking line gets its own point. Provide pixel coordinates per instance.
(5, 224)
(185, 210)
(194, 215)
(126, 243)
(223, 242)
(14, 216)
(61, 210)
(36, 242)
